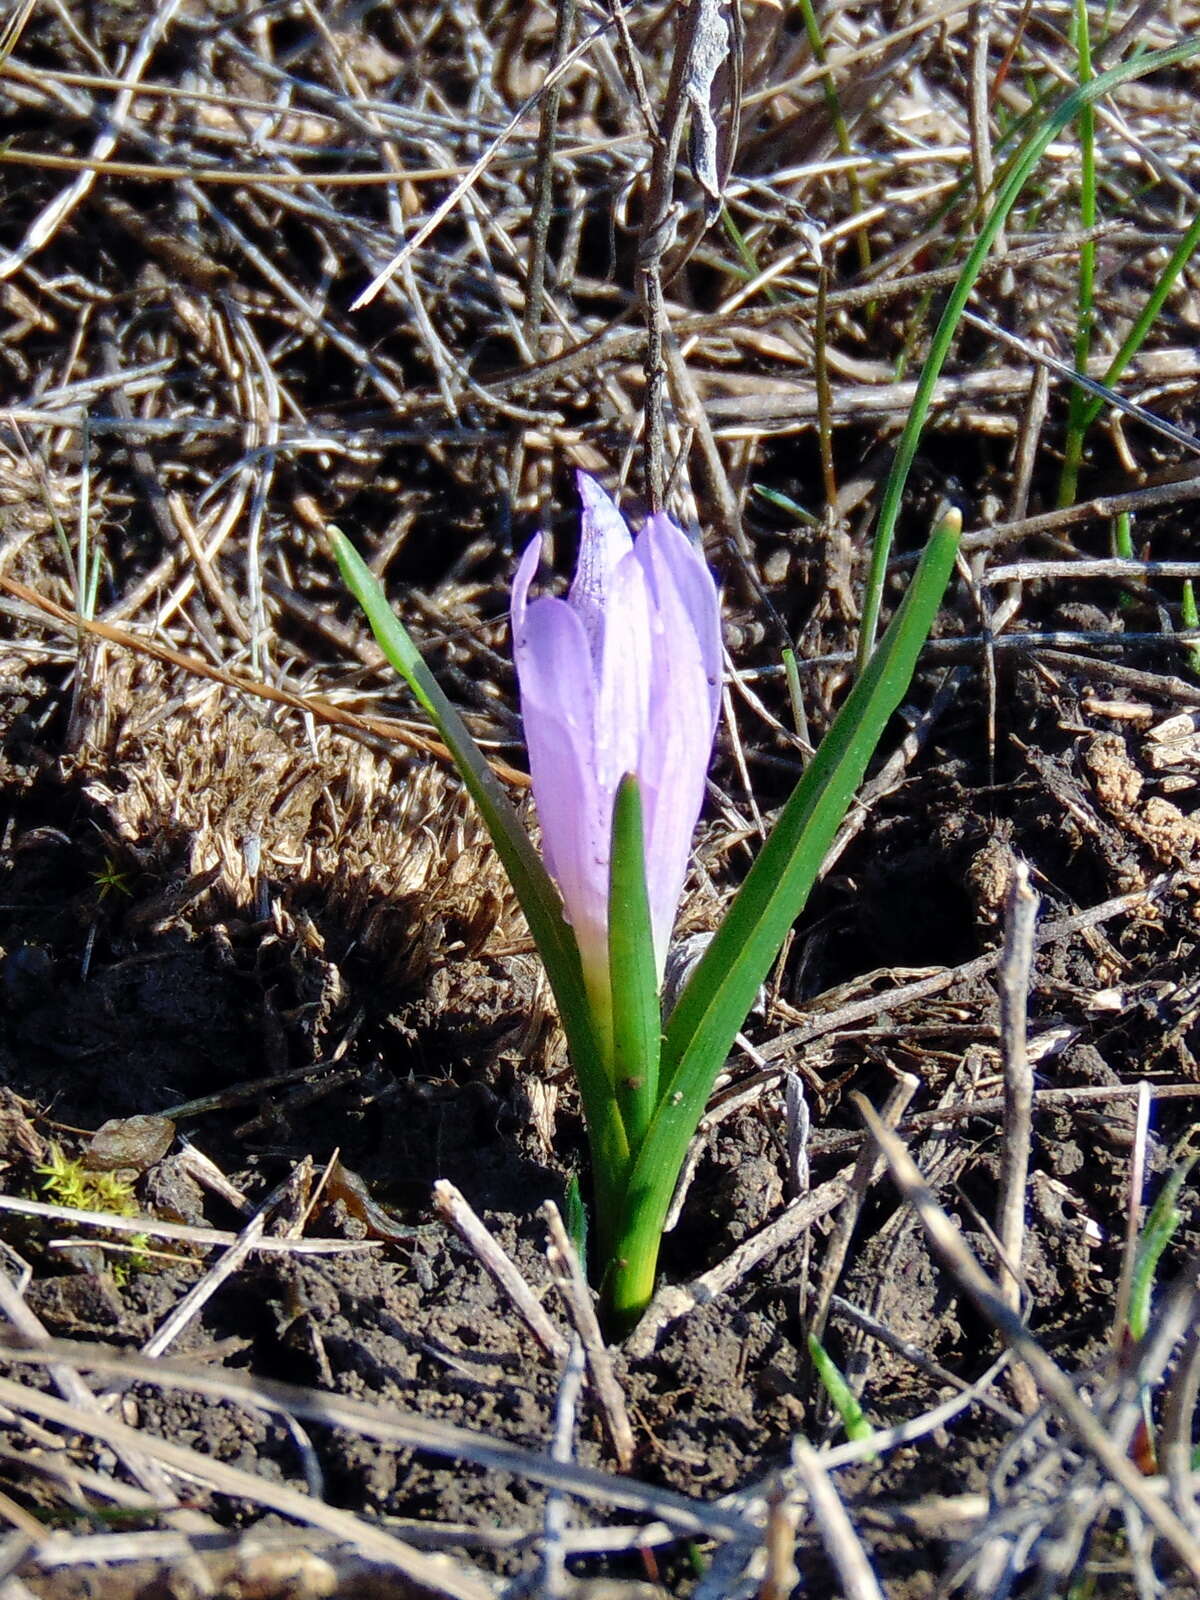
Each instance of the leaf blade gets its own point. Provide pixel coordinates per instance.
(534, 888)
(636, 1014)
(722, 989)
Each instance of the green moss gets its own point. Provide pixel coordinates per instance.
(67, 1182)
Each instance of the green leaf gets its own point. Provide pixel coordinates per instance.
(540, 900)
(785, 503)
(841, 1395)
(723, 987)
(575, 1219)
(1160, 1228)
(1189, 616)
(636, 1014)
(1077, 405)
(791, 673)
(1019, 170)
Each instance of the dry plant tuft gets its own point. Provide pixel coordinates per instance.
(402, 268)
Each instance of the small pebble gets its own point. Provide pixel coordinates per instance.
(129, 1143)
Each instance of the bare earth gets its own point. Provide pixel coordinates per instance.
(271, 919)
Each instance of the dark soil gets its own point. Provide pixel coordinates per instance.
(444, 1070)
(294, 942)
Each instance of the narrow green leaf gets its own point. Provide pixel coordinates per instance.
(540, 900)
(791, 673)
(722, 989)
(637, 1018)
(1189, 616)
(737, 961)
(1160, 1228)
(842, 1397)
(1077, 406)
(1133, 341)
(1020, 168)
(1122, 545)
(575, 1219)
(785, 503)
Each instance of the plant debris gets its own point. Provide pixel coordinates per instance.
(243, 895)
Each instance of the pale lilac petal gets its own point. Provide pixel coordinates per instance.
(669, 555)
(622, 676)
(673, 769)
(604, 537)
(684, 705)
(525, 574)
(554, 669)
(623, 682)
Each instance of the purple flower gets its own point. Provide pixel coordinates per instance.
(622, 676)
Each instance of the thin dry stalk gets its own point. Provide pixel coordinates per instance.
(315, 706)
(867, 1171)
(208, 1238)
(980, 109)
(1176, 1446)
(436, 1573)
(407, 1430)
(871, 1326)
(1015, 972)
(779, 1547)
(222, 1269)
(454, 1209)
(554, 1520)
(539, 222)
(144, 1470)
(1054, 1384)
(841, 1018)
(577, 1296)
(842, 1544)
(53, 217)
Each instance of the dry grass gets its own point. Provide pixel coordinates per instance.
(402, 269)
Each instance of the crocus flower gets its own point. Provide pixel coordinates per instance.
(623, 676)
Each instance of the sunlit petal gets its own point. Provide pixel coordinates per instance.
(622, 676)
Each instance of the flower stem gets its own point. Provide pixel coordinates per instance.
(633, 1258)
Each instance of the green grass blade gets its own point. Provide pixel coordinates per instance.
(534, 888)
(791, 673)
(841, 1396)
(1085, 294)
(1122, 536)
(739, 957)
(636, 1016)
(723, 987)
(1022, 165)
(785, 503)
(1144, 321)
(575, 1219)
(1189, 616)
(749, 262)
(1161, 1225)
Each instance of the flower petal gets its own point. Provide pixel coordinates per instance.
(624, 676)
(669, 555)
(604, 538)
(684, 703)
(555, 673)
(524, 576)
